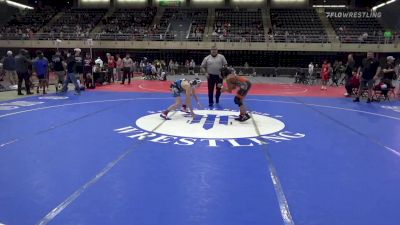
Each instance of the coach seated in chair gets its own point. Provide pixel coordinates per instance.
(387, 76)
(352, 83)
(98, 74)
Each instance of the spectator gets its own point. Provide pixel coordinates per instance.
(171, 67)
(350, 66)
(176, 67)
(192, 65)
(128, 64)
(212, 64)
(388, 36)
(111, 65)
(100, 62)
(97, 75)
(78, 66)
(120, 67)
(87, 70)
(59, 67)
(41, 69)
(153, 70)
(187, 65)
(325, 70)
(71, 77)
(142, 64)
(370, 72)
(9, 68)
(22, 64)
(389, 74)
(310, 69)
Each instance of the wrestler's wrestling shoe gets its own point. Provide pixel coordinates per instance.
(164, 116)
(243, 118)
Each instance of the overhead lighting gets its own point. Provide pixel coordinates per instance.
(130, 1)
(95, 1)
(17, 5)
(248, 1)
(329, 6)
(287, 1)
(382, 4)
(207, 0)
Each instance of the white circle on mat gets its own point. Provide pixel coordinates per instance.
(215, 124)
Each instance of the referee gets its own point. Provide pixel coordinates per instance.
(212, 64)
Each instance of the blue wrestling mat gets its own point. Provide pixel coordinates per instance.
(107, 158)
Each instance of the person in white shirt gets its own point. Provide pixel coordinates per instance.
(99, 61)
(192, 64)
(310, 69)
(120, 66)
(171, 67)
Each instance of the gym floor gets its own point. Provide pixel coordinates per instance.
(106, 157)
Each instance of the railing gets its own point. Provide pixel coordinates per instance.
(247, 71)
(199, 38)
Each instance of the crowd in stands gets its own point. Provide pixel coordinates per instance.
(183, 24)
(75, 23)
(231, 24)
(26, 23)
(296, 25)
(198, 24)
(355, 29)
(136, 22)
(238, 25)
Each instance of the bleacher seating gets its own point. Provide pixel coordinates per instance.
(135, 22)
(355, 29)
(238, 25)
(297, 25)
(199, 20)
(75, 23)
(6, 12)
(26, 23)
(176, 22)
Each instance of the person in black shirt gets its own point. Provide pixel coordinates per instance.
(59, 69)
(370, 71)
(22, 64)
(71, 65)
(349, 75)
(389, 75)
(78, 69)
(87, 70)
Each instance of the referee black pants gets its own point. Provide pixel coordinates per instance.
(213, 81)
(24, 77)
(127, 74)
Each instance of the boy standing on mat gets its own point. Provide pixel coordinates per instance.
(58, 65)
(234, 81)
(41, 68)
(187, 87)
(71, 63)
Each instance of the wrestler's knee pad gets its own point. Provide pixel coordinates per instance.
(238, 101)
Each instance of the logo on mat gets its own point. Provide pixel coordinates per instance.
(394, 108)
(211, 127)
